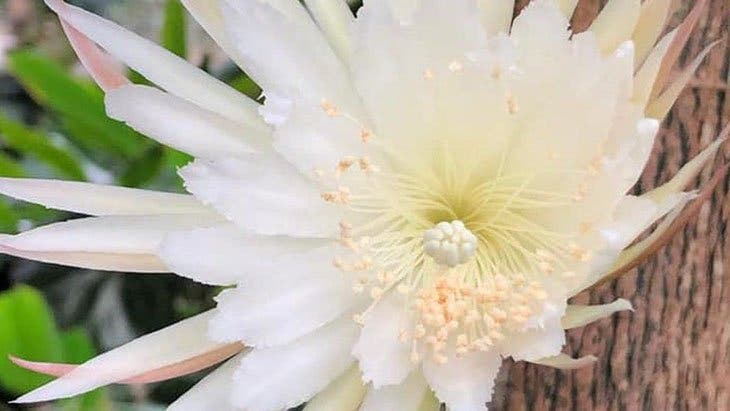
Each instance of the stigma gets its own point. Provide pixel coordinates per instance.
(450, 244)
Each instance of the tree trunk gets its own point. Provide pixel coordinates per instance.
(673, 351)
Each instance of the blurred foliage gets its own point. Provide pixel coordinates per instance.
(28, 331)
(53, 124)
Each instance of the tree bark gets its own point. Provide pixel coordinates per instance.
(673, 351)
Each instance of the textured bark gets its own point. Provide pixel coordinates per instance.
(673, 352)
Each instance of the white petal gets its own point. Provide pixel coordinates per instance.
(406, 396)
(334, 18)
(343, 394)
(686, 174)
(285, 376)
(182, 125)
(310, 139)
(567, 7)
(402, 71)
(580, 315)
(566, 362)
(165, 347)
(283, 50)
(384, 359)
(99, 200)
(543, 341)
(652, 21)
(496, 15)
(108, 234)
(251, 255)
(647, 74)
(280, 305)
(135, 263)
(213, 392)
(209, 15)
(263, 194)
(616, 23)
(160, 66)
(466, 383)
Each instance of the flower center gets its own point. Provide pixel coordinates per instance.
(464, 249)
(450, 244)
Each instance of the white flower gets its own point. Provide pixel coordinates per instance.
(443, 176)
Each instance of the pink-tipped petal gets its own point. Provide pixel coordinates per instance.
(98, 63)
(180, 369)
(47, 368)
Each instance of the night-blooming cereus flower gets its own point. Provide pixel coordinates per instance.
(440, 174)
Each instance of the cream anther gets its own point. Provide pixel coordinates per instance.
(450, 244)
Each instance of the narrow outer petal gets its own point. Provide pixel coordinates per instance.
(580, 315)
(149, 352)
(99, 200)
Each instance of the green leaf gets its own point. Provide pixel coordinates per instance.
(37, 145)
(80, 106)
(174, 28)
(8, 218)
(246, 85)
(10, 167)
(143, 169)
(27, 330)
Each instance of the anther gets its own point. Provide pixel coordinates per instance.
(329, 108)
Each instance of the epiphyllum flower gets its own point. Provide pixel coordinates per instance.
(443, 175)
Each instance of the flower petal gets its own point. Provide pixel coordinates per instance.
(160, 66)
(686, 175)
(185, 367)
(283, 50)
(343, 394)
(566, 362)
(384, 359)
(580, 315)
(99, 200)
(567, 7)
(675, 49)
(659, 107)
(334, 18)
(277, 307)
(652, 19)
(182, 125)
(466, 383)
(496, 15)
(107, 234)
(250, 254)
(665, 231)
(263, 194)
(545, 340)
(209, 15)
(286, 376)
(152, 351)
(213, 392)
(647, 74)
(406, 396)
(616, 23)
(133, 263)
(99, 65)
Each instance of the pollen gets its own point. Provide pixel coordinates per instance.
(450, 244)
